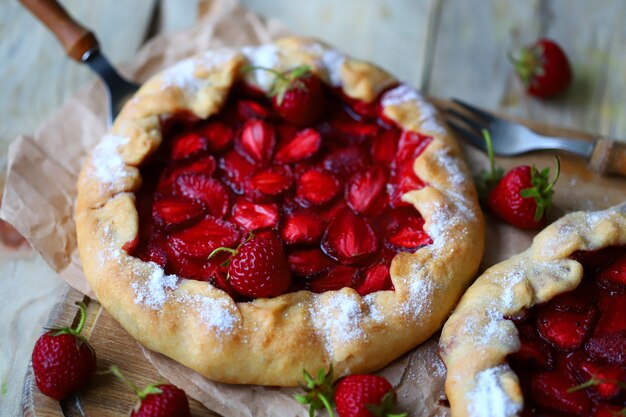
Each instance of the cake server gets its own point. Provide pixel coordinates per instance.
(81, 45)
(509, 139)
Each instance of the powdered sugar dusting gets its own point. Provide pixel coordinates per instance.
(404, 93)
(217, 313)
(154, 291)
(419, 296)
(183, 74)
(107, 164)
(488, 398)
(339, 320)
(451, 165)
(333, 61)
(508, 283)
(262, 56)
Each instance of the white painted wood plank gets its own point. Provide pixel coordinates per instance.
(391, 33)
(471, 58)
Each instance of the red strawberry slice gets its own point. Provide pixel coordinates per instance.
(257, 140)
(270, 182)
(366, 192)
(571, 301)
(609, 348)
(349, 238)
(592, 261)
(249, 109)
(550, 390)
(410, 235)
(565, 330)
(410, 146)
(533, 352)
(209, 191)
(202, 238)
(188, 144)
(607, 389)
(613, 275)
(302, 227)
(376, 278)
(251, 216)
(309, 262)
(303, 145)
(205, 165)
(331, 212)
(604, 410)
(236, 170)
(154, 253)
(335, 278)
(315, 188)
(346, 161)
(219, 136)
(385, 146)
(352, 132)
(171, 212)
(612, 316)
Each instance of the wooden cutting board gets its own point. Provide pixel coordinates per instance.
(578, 188)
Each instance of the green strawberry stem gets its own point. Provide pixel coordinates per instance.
(488, 179)
(593, 381)
(319, 391)
(387, 403)
(141, 393)
(542, 189)
(79, 327)
(527, 63)
(284, 80)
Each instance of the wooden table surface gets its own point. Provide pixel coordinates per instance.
(445, 47)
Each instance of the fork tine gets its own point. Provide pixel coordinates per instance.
(472, 137)
(475, 110)
(474, 123)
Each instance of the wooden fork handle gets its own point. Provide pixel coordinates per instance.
(609, 157)
(76, 39)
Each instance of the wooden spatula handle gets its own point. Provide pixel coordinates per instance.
(609, 157)
(75, 39)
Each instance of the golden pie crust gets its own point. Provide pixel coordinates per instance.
(270, 341)
(477, 338)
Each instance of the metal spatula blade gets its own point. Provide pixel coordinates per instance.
(82, 46)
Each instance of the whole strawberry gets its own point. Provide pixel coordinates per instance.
(297, 95)
(258, 267)
(63, 361)
(365, 396)
(156, 400)
(544, 68)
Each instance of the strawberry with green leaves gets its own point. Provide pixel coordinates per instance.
(156, 400)
(522, 196)
(297, 95)
(63, 361)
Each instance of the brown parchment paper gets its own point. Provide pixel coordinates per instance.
(41, 187)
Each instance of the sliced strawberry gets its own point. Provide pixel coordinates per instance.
(385, 146)
(353, 132)
(205, 165)
(315, 188)
(250, 109)
(612, 315)
(613, 275)
(604, 410)
(349, 238)
(188, 144)
(344, 162)
(236, 170)
(366, 192)
(403, 178)
(410, 235)
(154, 253)
(303, 145)
(302, 227)
(532, 353)
(131, 245)
(309, 262)
(402, 184)
(257, 140)
(565, 330)
(606, 389)
(171, 212)
(269, 183)
(410, 146)
(202, 238)
(335, 278)
(609, 348)
(376, 278)
(251, 216)
(571, 301)
(550, 390)
(209, 191)
(592, 260)
(191, 268)
(218, 135)
(328, 214)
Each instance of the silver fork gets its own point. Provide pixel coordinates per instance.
(510, 139)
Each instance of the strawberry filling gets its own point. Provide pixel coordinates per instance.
(572, 358)
(330, 189)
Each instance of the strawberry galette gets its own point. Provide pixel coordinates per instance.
(259, 211)
(544, 333)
